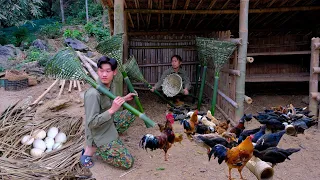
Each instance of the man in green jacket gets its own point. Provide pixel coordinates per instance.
(176, 62)
(103, 122)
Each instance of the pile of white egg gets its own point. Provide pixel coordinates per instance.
(44, 142)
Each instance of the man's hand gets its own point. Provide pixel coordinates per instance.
(129, 96)
(185, 91)
(116, 104)
(152, 89)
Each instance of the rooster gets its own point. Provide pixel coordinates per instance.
(236, 157)
(163, 141)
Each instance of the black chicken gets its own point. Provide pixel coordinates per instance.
(275, 155)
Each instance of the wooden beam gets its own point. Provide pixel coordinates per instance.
(204, 16)
(286, 77)
(149, 15)
(316, 70)
(185, 7)
(271, 3)
(231, 71)
(278, 53)
(174, 5)
(224, 11)
(129, 15)
(193, 15)
(166, 64)
(164, 47)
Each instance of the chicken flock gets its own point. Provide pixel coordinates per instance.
(234, 145)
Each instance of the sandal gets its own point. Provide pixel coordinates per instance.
(85, 160)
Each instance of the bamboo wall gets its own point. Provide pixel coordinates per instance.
(153, 54)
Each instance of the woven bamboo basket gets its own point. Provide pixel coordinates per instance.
(172, 85)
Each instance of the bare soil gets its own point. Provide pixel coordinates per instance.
(186, 161)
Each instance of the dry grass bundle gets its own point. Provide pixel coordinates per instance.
(16, 161)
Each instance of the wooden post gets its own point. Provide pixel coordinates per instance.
(87, 12)
(118, 29)
(242, 57)
(313, 83)
(125, 54)
(62, 12)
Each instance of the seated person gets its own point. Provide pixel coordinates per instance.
(176, 62)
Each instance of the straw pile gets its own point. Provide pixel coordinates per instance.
(16, 161)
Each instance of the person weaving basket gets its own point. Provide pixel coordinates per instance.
(103, 122)
(176, 62)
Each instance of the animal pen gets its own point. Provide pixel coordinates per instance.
(273, 41)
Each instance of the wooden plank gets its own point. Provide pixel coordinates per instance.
(298, 77)
(163, 47)
(223, 11)
(278, 53)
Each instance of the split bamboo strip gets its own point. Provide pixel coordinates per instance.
(61, 88)
(45, 92)
(70, 86)
(228, 99)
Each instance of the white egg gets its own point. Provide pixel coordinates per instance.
(35, 152)
(27, 140)
(49, 142)
(39, 144)
(39, 134)
(57, 146)
(48, 150)
(60, 138)
(52, 132)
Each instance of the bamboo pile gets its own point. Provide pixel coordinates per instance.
(16, 161)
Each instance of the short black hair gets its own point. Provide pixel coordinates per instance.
(177, 56)
(106, 60)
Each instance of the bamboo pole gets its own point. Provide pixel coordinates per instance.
(94, 64)
(79, 87)
(88, 66)
(62, 82)
(250, 59)
(228, 99)
(313, 83)
(223, 11)
(70, 86)
(316, 70)
(242, 57)
(232, 71)
(317, 46)
(247, 99)
(45, 92)
(118, 29)
(74, 84)
(315, 95)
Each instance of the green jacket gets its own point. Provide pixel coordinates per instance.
(99, 126)
(182, 73)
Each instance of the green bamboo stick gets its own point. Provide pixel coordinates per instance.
(215, 93)
(197, 79)
(148, 122)
(203, 80)
(131, 89)
(158, 94)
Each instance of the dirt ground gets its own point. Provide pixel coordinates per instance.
(187, 161)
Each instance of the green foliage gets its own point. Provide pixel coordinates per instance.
(51, 31)
(21, 34)
(17, 12)
(72, 34)
(98, 32)
(35, 54)
(2, 69)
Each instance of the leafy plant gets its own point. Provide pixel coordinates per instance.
(21, 34)
(98, 32)
(72, 34)
(35, 54)
(51, 31)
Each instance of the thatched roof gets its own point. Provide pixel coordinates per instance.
(197, 16)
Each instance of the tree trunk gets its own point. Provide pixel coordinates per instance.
(87, 13)
(62, 11)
